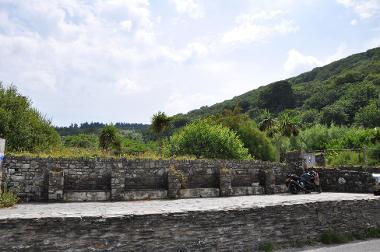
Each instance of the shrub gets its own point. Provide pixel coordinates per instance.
(81, 141)
(23, 126)
(110, 139)
(257, 143)
(205, 139)
(330, 237)
(8, 199)
(267, 247)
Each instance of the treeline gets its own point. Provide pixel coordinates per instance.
(96, 127)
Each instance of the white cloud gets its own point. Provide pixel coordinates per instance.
(126, 25)
(179, 103)
(363, 8)
(297, 62)
(354, 22)
(192, 8)
(258, 27)
(126, 87)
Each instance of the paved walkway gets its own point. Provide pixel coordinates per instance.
(359, 246)
(112, 209)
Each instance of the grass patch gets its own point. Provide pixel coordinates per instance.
(72, 152)
(331, 237)
(373, 233)
(267, 247)
(8, 199)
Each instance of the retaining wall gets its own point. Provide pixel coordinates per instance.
(239, 229)
(37, 179)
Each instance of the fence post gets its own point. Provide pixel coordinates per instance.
(2, 151)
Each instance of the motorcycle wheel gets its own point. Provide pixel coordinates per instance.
(293, 189)
(319, 189)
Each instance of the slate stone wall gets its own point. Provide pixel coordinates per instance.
(30, 177)
(218, 230)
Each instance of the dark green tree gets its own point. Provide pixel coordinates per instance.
(109, 138)
(23, 126)
(160, 123)
(277, 97)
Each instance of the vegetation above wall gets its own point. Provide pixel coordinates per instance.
(334, 109)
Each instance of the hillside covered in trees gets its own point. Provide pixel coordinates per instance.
(345, 92)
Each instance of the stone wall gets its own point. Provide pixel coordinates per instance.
(217, 230)
(122, 179)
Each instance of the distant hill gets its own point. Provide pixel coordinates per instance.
(344, 92)
(95, 127)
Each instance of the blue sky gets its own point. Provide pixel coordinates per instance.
(124, 60)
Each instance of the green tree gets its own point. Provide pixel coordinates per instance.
(23, 126)
(109, 138)
(205, 139)
(277, 97)
(257, 143)
(160, 123)
(288, 125)
(369, 116)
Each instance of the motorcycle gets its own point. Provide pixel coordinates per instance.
(307, 182)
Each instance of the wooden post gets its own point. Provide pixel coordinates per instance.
(365, 156)
(2, 151)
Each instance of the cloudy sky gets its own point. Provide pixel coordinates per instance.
(123, 60)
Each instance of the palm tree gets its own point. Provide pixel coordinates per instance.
(267, 122)
(288, 126)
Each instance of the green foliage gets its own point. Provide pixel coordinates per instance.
(267, 247)
(23, 126)
(334, 114)
(349, 77)
(333, 94)
(369, 116)
(109, 138)
(8, 199)
(320, 137)
(373, 233)
(257, 143)
(277, 97)
(81, 141)
(160, 123)
(337, 158)
(94, 128)
(330, 237)
(205, 139)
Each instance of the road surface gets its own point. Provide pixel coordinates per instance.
(115, 209)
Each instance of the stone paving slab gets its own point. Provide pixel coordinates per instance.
(117, 209)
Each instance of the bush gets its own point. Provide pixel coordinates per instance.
(369, 116)
(330, 237)
(110, 139)
(257, 143)
(205, 139)
(267, 247)
(24, 127)
(81, 141)
(8, 199)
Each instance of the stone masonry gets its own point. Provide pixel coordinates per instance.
(212, 224)
(37, 179)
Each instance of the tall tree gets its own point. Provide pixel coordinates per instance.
(160, 123)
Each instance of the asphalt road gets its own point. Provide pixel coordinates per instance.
(362, 246)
